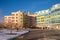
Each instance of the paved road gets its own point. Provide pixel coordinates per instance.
(41, 35)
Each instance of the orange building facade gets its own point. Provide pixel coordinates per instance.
(16, 19)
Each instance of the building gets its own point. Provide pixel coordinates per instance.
(32, 20)
(41, 19)
(55, 14)
(17, 19)
(25, 20)
(8, 20)
(47, 17)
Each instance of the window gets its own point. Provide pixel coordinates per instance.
(9, 17)
(21, 18)
(16, 23)
(13, 20)
(9, 20)
(13, 17)
(21, 21)
(16, 14)
(21, 15)
(16, 20)
(13, 23)
(16, 17)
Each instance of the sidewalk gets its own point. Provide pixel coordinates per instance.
(4, 35)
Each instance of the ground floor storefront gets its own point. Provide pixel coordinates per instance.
(49, 26)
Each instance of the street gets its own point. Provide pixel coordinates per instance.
(40, 35)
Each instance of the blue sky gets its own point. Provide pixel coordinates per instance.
(8, 6)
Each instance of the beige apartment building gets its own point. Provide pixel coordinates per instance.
(15, 20)
(7, 20)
